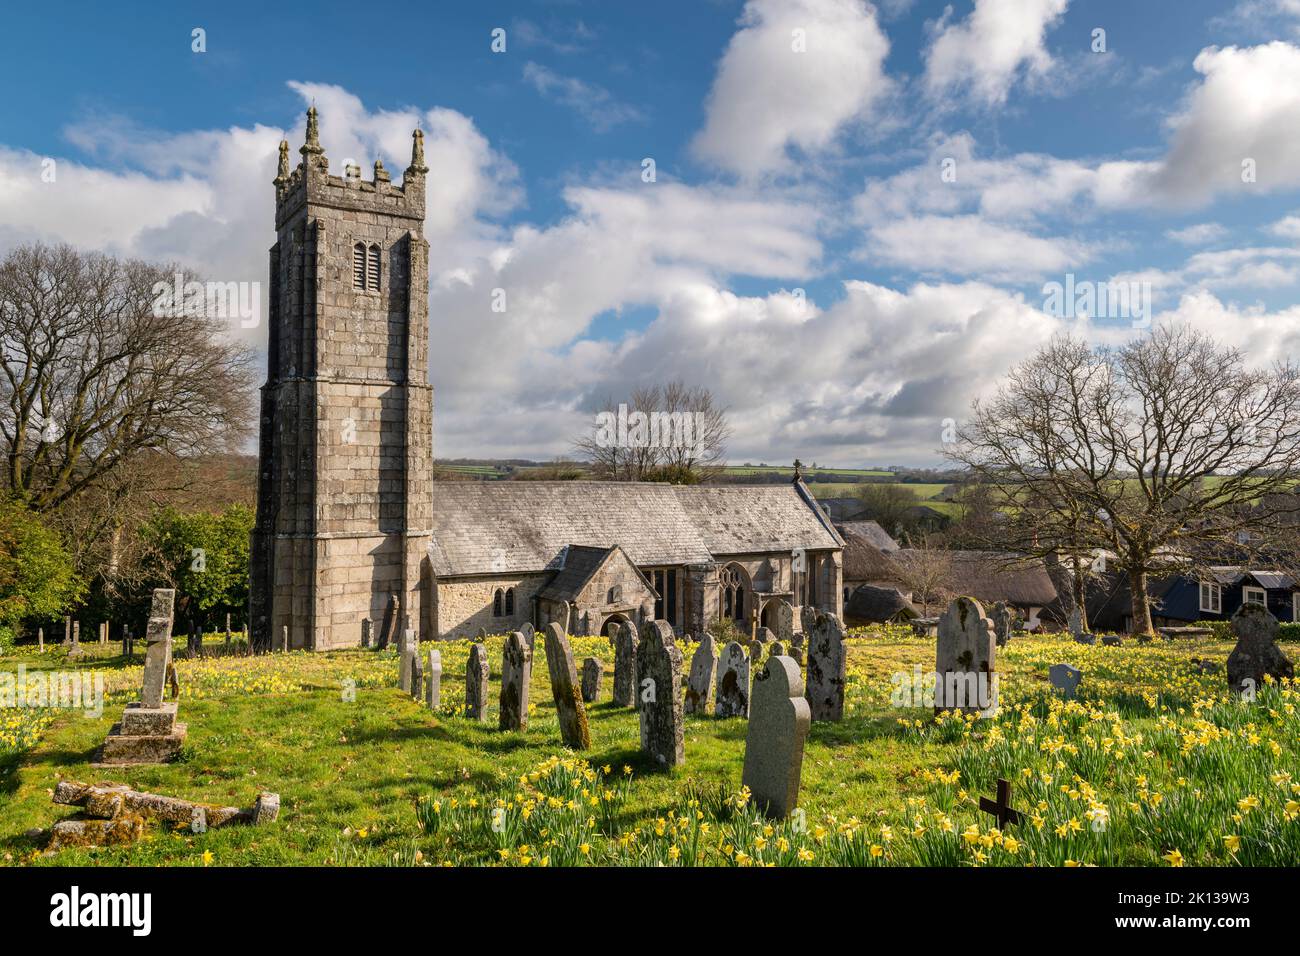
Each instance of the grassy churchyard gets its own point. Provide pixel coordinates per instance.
(1152, 765)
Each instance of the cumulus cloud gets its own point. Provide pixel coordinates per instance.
(1197, 234)
(793, 76)
(982, 56)
(969, 245)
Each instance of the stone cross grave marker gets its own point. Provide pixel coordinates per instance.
(1065, 679)
(625, 666)
(564, 688)
(659, 686)
(417, 668)
(779, 719)
(433, 690)
(704, 668)
(731, 698)
(476, 682)
(827, 664)
(965, 660)
(158, 648)
(516, 676)
(592, 674)
(1256, 653)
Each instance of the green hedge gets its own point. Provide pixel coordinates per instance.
(1287, 630)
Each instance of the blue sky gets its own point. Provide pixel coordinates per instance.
(799, 251)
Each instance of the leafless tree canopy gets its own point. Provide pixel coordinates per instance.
(1157, 451)
(93, 377)
(684, 462)
(888, 505)
(926, 569)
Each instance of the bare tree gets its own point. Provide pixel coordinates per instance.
(925, 569)
(94, 374)
(673, 432)
(1156, 451)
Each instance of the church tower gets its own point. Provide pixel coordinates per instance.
(344, 502)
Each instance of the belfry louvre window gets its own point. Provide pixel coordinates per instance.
(359, 266)
(365, 268)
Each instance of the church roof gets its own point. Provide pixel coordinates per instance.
(581, 564)
(511, 527)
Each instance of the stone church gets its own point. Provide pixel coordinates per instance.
(350, 524)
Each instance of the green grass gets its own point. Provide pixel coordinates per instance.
(359, 778)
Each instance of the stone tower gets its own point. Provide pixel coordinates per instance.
(344, 502)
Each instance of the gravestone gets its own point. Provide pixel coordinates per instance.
(827, 664)
(128, 643)
(1065, 679)
(516, 677)
(148, 731)
(476, 682)
(731, 697)
(529, 636)
(564, 687)
(659, 686)
(765, 635)
(1256, 654)
(228, 635)
(592, 673)
(103, 633)
(1076, 629)
(417, 670)
(625, 666)
(482, 634)
(392, 619)
(403, 667)
(40, 639)
(797, 649)
(965, 660)
(284, 638)
(756, 648)
(1002, 618)
(67, 631)
(75, 651)
(704, 667)
(776, 649)
(783, 622)
(433, 687)
(366, 625)
(779, 719)
(1112, 640)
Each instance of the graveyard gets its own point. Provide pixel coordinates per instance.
(1148, 761)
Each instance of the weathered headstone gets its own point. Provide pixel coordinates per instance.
(592, 673)
(704, 668)
(1112, 640)
(1077, 631)
(392, 619)
(965, 660)
(67, 631)
(158, 648)
(625, 666)
(776, 649)
(827, 664)
(40, 639)
(482, 634)
(403, 668)
(366, 625)
(779, 719)
(1256, 654)
(476, 682)
(1065, 679)
(783, 621)
(731, 698)
(417, 669)
(1002, 618)
(529, 636)
(284, 638)
(765, 635)
(433, 685)
(103, 633)
(516, 676)
(564, 687)
(228, 634)
(658, 677)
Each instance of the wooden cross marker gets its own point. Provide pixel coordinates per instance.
(1001, 807)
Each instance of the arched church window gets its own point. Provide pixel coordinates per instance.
(496, 603)
(372, 269)
(510, 601)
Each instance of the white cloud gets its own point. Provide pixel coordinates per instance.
(982, 56)
(593, 103)
(1288, 227)
(1198, 234)
(767, 98)
(969, 245)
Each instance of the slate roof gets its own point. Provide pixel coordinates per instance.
(876, 605)
(991, 576)
(871, 531)
(514, 527)
(864, 560)
(581, 562)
